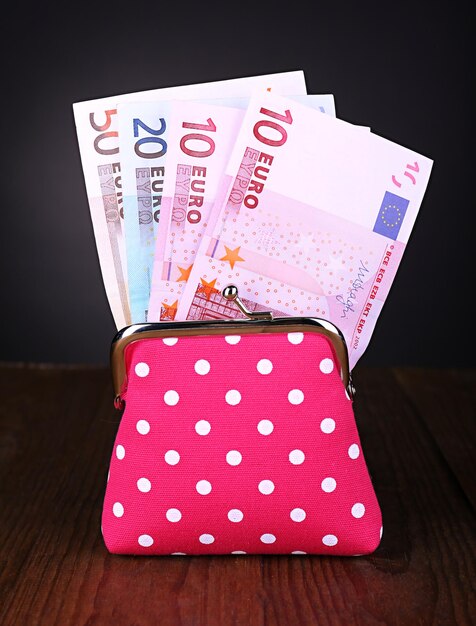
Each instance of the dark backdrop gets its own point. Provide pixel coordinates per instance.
(403, 69)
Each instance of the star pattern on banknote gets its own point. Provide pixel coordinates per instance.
(207, 288)
(232, 256)
(168, 311)
(307, 243)
(184, 273)
(334, 263)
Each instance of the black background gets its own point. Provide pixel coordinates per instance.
(403, 69)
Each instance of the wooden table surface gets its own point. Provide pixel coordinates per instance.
(57, 429)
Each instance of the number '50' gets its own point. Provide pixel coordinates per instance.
(107, 134)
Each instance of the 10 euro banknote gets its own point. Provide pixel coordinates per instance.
(312, 218)
(201, 138)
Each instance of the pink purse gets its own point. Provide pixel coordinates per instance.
(238, 437)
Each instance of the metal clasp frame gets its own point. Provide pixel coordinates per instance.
(153, 330)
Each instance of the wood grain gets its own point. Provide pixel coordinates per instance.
(57, 427)
(446, 400)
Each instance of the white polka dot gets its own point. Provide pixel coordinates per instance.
(207, 539)
(233, 397)
(381, 532)
(146, 541)
(328, 425)
(203, 427)
(235, 515)
(266, 487)
(297, 457)
(328, 484)
(298, 552)
(173, 515)
(170, 341)
(265, 427)
(295, 396)
(347, 394)
(295, 338)
(172, 457)
(171, 397)
(232, 339)
(233, 457)
(329, 540)
(142, 369)
(358, 510)
(326, 366)
(264, 366)
(202, 367)
(120, 452)
(354, 451)
(203, 487)
(298, 515)
(238, 552)
(144, 485)
(268, 538)
(143, 427)
(118, 509)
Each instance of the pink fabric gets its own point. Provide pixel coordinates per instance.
(238, 445)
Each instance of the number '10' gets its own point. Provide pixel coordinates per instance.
(278, 133)
(198, 137)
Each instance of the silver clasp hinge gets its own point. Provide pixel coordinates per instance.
(119, 403)
(351, 387)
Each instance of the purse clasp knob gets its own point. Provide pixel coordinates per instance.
(230, 292)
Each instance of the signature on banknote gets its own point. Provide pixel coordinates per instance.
(349, 300)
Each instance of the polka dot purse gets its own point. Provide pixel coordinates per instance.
(237, 437)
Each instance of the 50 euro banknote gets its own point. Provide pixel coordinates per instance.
(312, 219)
(201, 137)
(98, 139)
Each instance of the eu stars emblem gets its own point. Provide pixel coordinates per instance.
(390, 215)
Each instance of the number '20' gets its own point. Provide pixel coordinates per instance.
(150, 141)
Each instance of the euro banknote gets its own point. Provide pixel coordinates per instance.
(191, 186)
(97, 131)
(201, 137)
(312, 220)
(322, 102)
(143, 141)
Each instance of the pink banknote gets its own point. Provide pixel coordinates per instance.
(312, 218)
(201, 137)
